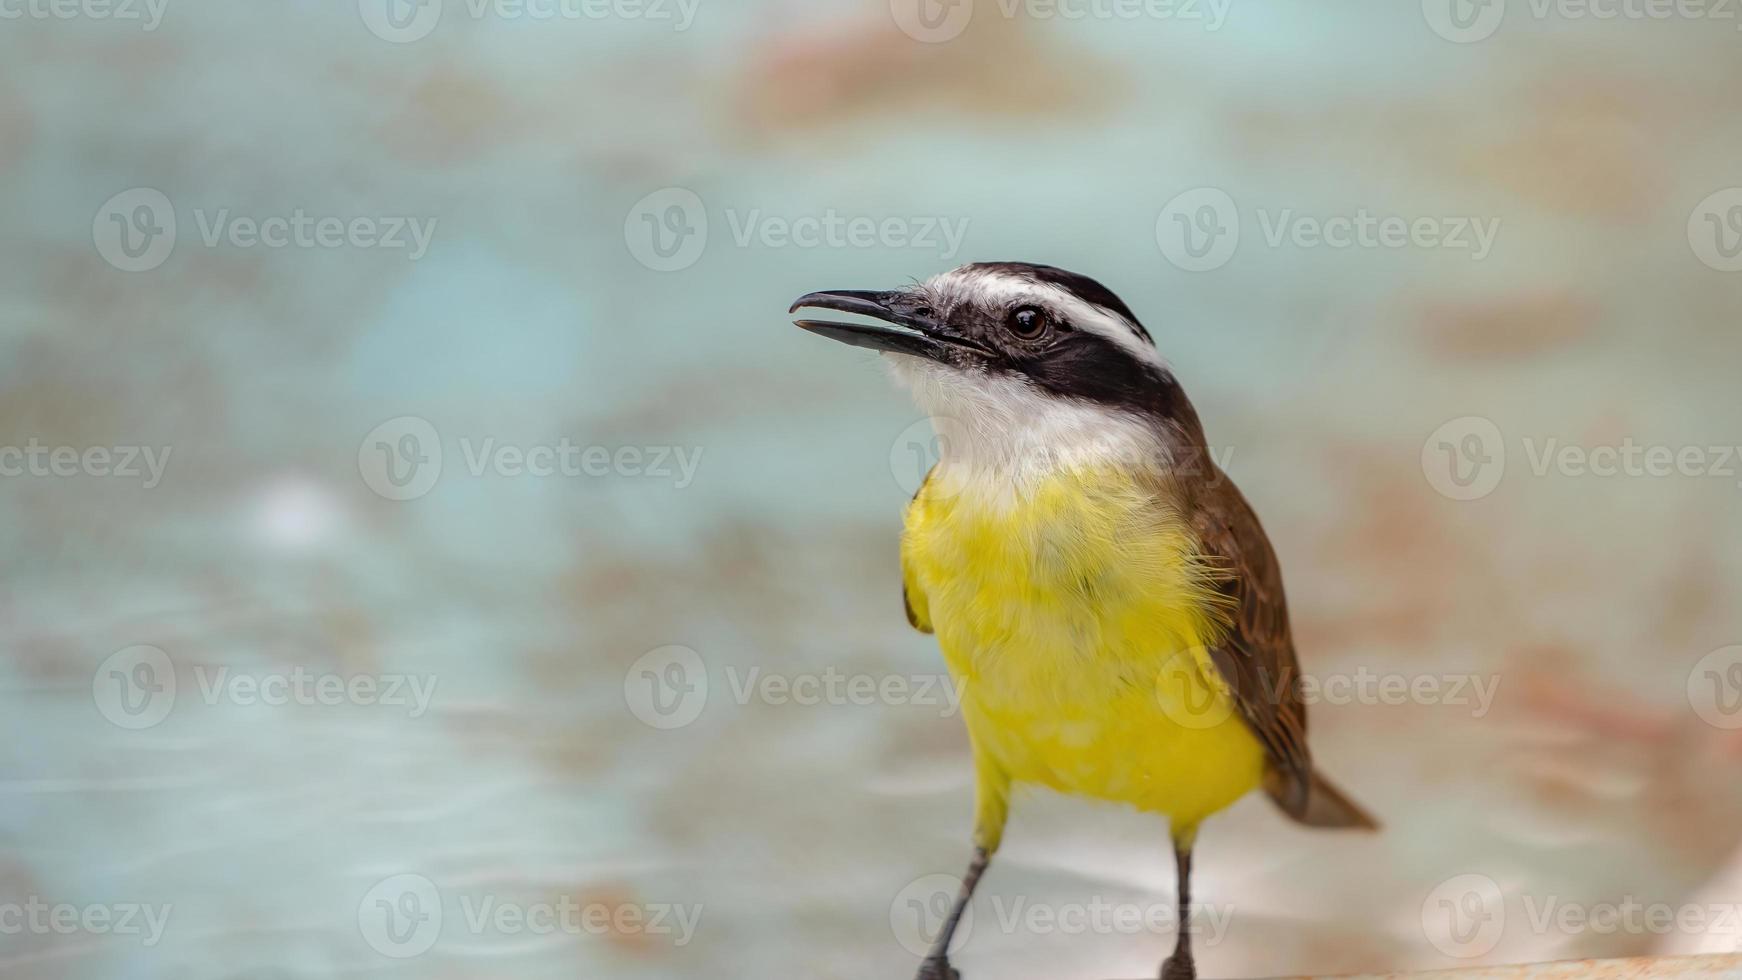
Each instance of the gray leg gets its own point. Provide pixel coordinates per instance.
(937, 962)
(1180, 966)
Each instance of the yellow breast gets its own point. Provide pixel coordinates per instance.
(1075, 616)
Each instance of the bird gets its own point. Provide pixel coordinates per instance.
(1104, 597)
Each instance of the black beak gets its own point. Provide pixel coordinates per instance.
(916, 331)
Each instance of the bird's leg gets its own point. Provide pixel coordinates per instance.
(1180, 966)
(991, 807)
(937, 962)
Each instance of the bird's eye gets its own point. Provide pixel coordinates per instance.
(1029, 323)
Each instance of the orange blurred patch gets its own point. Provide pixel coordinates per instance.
(813, 77)
(1513, 327)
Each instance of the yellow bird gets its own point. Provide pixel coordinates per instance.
(1105, 598)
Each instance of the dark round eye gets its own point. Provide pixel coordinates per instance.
(1029, 322)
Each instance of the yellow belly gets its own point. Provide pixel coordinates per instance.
(1075, 617)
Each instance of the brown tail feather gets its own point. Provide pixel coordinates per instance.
(1325, 806)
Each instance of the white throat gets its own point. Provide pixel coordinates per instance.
(1002, 431)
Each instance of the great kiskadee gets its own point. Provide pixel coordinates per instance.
(1105, 598)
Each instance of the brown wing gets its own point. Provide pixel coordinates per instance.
(1257, 657)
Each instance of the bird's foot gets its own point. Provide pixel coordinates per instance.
(1178, 967)
(937, 968)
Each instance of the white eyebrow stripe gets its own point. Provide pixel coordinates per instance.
(995, 289)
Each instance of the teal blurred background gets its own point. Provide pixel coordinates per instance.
(562, 666)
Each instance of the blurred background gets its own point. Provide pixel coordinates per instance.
(430, 550)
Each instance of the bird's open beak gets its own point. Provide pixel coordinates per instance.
(915, 330)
